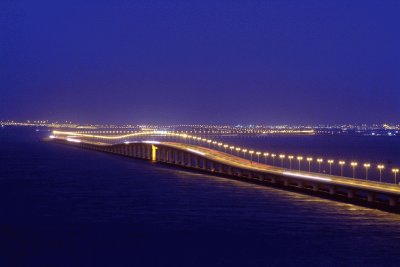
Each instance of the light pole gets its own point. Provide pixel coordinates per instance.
(330, 162)
(290, 157)
(251, 152)
(341, 163)
(231, 148)
(309, 159)
(225, 147)
(258, 153)
(266, 157)
(281, 156)
(366, 166)
(354, 165)
(380, 168)
(209, 142)
(319, 164)
(214, 143)
(273, 159)
(299, 158)
(219, 145)
(237, 151)
(244, 152)
(395, 171)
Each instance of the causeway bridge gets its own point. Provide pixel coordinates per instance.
(367, 193)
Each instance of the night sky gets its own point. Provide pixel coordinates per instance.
(169, 62)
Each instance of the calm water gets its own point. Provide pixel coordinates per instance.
(62, 206)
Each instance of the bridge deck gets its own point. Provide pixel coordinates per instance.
(238, 162)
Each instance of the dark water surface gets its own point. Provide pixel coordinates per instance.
(63, 206)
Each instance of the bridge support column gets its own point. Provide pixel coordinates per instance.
(371, 197)
(229, 170)
(135, 154)
(189, 160)
(220, 168)
(285, 182)
(392, 201)
(332, 190)
(196, 161)
(212, 166)
(315, 187)
(351, 193)
(204, 164)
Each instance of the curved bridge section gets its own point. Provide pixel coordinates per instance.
(365, 193)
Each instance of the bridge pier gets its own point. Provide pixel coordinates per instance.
(211, 163)
(370, 197)
(351, 193)
(332, 190)
(392, 201)
(196, 161)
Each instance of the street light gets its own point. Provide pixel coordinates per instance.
(209, 142)
(290, 157)
(281, 156)
(380, 168)
(330, 161)
(237, 151)
(258, 153)
(366, 166)
(214, 143)
(309, 163)
(219, 145)
(225, 147)
(341, 163)
(299, 158)
(319, 164)
(273, 158)
(354, 165)
(251, 152)
(244, 152)
(395, 171)
(231, 148)
(266, 157)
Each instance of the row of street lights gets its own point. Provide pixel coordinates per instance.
(232, 149)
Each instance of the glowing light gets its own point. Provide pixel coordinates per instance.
(195, 151)
(305, 176)
(69, 139)
(52, 137)
(151, 142)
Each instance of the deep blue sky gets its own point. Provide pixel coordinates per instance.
(200, 61)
